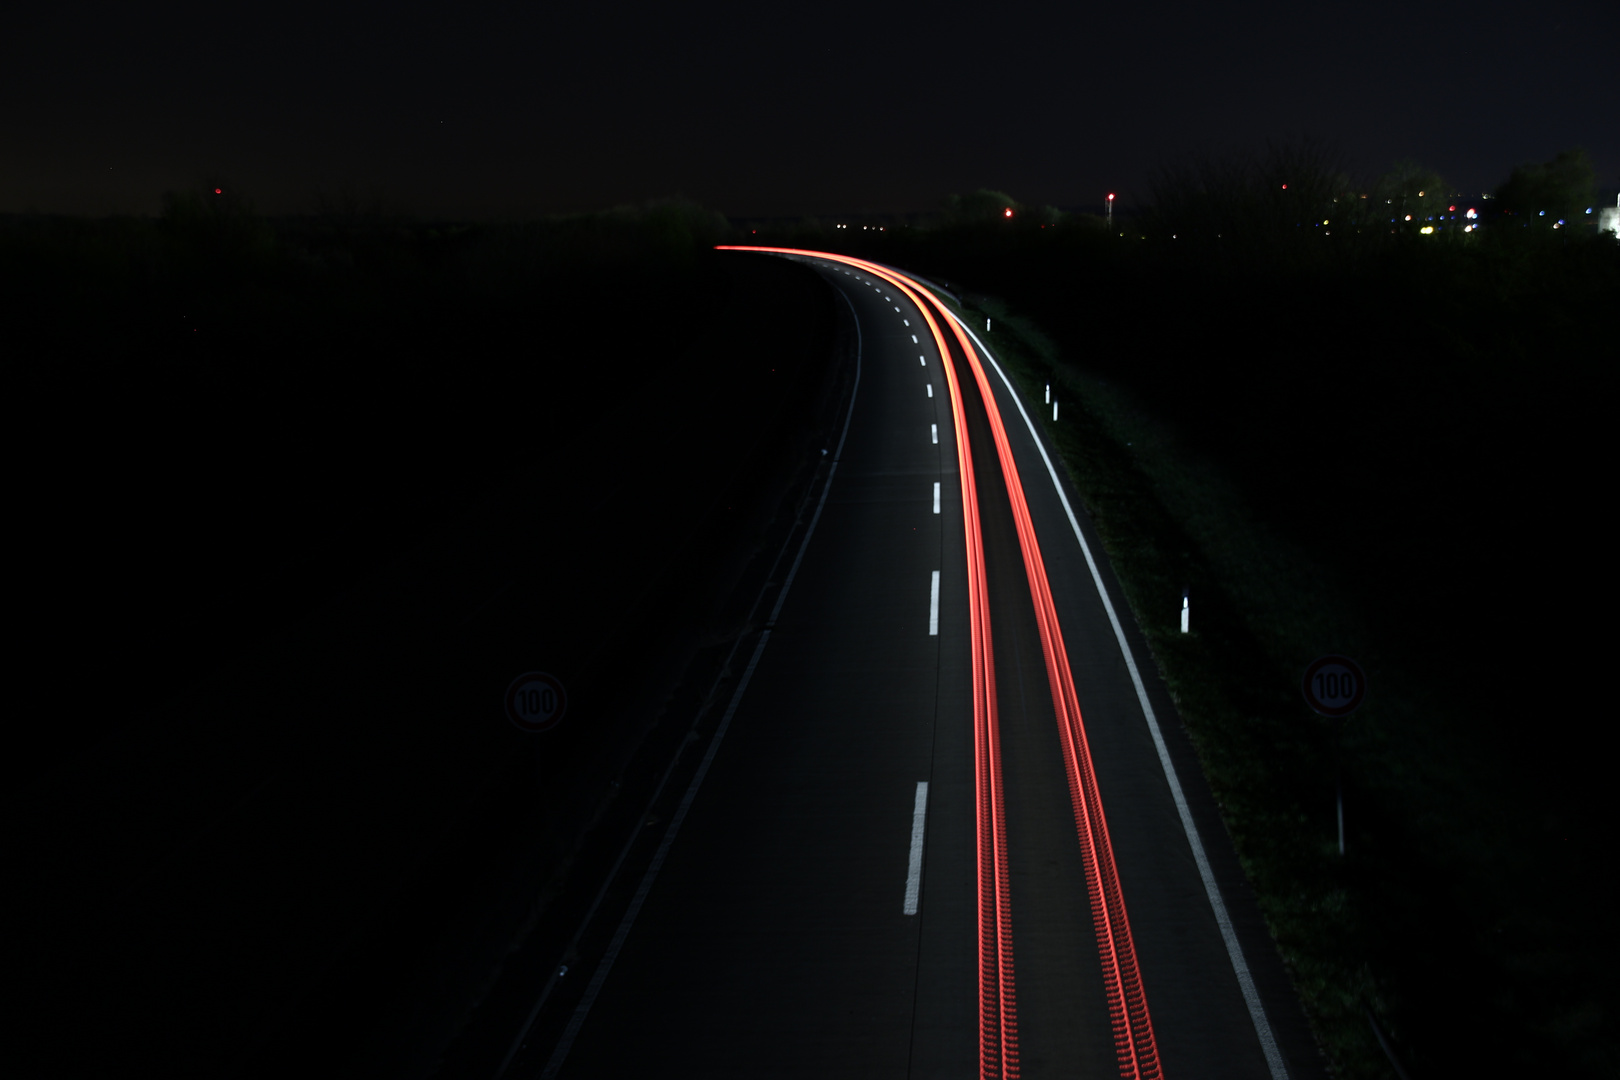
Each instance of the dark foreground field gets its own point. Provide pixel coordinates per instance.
(295, 501)
(1393, 449)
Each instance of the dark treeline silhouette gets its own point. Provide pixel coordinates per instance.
(1424, 416)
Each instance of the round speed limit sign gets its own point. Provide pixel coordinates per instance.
(1334, 685)
(536, 701)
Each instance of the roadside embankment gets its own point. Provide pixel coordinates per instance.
(269, 808)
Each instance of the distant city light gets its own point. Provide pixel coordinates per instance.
(1111, 199)
(218, 191)
(1007, 212)
(1285, 187)
(1426, 230)
(1451, 208)
(1408, 217)
(1588, 209)
(1541, 213)
(1472, 213)
(1468, 228)
(1420, 194)
(1324, 222)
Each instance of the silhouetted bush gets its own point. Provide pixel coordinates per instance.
(1563, 189)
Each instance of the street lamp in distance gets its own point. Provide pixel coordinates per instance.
(1110, 209)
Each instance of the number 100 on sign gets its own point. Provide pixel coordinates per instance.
(1334, 685)
(536, 701)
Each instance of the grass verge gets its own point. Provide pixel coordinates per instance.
(1262, 606)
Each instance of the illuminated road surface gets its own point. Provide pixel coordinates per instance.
(853, 889)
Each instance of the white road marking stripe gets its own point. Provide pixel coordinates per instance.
(934, 430)
(919, 819)
(930, 389)
(1234, 950)
(896, 309)
(936, 496)
(933, 606)
(923, 361)
(906, 321)
(914, 340)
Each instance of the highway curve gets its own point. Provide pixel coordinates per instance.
(948, 823)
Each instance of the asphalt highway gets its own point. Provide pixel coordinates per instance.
(824, 904)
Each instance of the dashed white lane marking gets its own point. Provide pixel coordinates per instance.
(935, 429)
(930, 389)
(919, 818)
(923, 361)
(907, 322)
(914, 340)
(896, 309)
(933, 607)
(936, 496)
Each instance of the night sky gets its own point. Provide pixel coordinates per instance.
(510, 109)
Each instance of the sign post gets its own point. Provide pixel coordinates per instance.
(536, 701)
(1334, 686)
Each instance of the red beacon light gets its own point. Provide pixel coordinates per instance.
(219, 191)
(1007, 212)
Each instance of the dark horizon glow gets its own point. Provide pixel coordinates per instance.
(503, 110)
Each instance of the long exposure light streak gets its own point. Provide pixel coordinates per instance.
(1127, 1002)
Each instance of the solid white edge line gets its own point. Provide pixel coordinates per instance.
(936, 496)
(1234, 950)
(605, 965)
(919, 820)
(933, 606)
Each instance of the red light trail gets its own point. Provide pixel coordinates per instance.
(1127, 1001)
